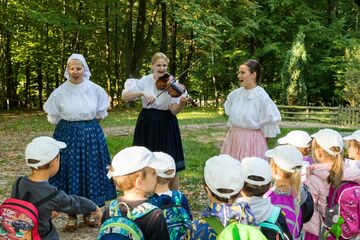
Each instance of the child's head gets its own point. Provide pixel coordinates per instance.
(327, 147)
(43, 154)
(299, 139)
(134, 167)
(286, 162)
(354, 145)
(257, 173)
(167, 175)
(223, 178)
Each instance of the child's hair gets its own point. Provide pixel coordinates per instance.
(43, 167)
(355, 142)
(337, 168)
(222, 190)
(252, 190)
(127, 182)
(157, 56)
(295, 179)
(161, 180)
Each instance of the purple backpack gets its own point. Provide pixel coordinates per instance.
(291, 208)
(342, 217)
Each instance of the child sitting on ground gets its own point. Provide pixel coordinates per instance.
(302, 141)
(328, 171)
(223, 182)
(43, 157)
(257, 177)
(133, 172)
(173, 203)
(288, 193)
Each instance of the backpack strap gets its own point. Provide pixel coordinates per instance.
(27, 195)
(176, 197)
(138, 212)
(335, 191)
(215, 224)
(270, 223)
(142, 210)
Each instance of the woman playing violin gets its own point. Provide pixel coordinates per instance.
(157, 127)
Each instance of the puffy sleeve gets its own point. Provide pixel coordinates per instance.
(103, 104)
(269, 118)
(228, 103)
(52, 108)
(134, 85)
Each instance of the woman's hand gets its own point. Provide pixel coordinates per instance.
(149, 98)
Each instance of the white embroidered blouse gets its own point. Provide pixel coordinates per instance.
(77, 102)
(252, 109)
(147, 84)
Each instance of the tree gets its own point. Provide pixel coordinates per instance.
(293, 73)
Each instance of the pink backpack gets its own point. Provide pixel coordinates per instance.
(292, 211)
(342, 217)
(19, 218)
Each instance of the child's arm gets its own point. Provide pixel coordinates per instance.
(74, 204)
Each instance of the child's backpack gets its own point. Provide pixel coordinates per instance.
(235, 230)
(19, 218)
(178, 220)
(291, 209)
(342, 216)
(271, 223)
(119, 227)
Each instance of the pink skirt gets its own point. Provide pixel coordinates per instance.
(240, 143)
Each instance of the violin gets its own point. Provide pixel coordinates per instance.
(175, 89)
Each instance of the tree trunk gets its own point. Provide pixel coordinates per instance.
(163, 47)
(109, 87)
(129, 41)
(39, 82)
(330, 11)
(173, 50)
(9, 77)
(27, 82)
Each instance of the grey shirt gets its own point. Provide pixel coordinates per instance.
(61, 203)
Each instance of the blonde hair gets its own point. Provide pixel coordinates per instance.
(157, 56)
(337, 169)
(127, 182)
(295, 179)
(354, 142)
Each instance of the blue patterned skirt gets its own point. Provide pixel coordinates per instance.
(83, 162)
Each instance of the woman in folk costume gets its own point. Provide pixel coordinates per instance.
(76, 108)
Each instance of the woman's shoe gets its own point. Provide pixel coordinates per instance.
(71, 224)
(90, 220)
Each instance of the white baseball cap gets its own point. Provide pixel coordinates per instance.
(223, 172)
(132, 159)
(354, 136)
(170, 162)
(296, 138)
(254, 166)
(43, 149)
(287, 157)
(328, 138)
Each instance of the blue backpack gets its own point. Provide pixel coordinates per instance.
(270, 223)
(177, 218)
(119, 227)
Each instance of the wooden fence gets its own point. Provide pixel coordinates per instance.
(346, 116)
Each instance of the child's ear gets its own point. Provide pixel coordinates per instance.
(139, 182)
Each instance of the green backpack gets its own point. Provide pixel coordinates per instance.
(235, 230)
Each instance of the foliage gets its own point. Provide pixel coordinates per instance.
(118, 38)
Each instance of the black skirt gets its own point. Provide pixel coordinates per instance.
(158, 130)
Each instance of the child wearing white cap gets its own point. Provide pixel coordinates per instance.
(133, 171)
(257, 177)
(166, 199)
(288, 193)
(223, 182)
(42, 155)
(354, 145)
(329, 171)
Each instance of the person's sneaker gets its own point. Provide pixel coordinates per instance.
(71, 224)
(90, 220)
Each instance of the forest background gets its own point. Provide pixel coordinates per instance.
(309, 50)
